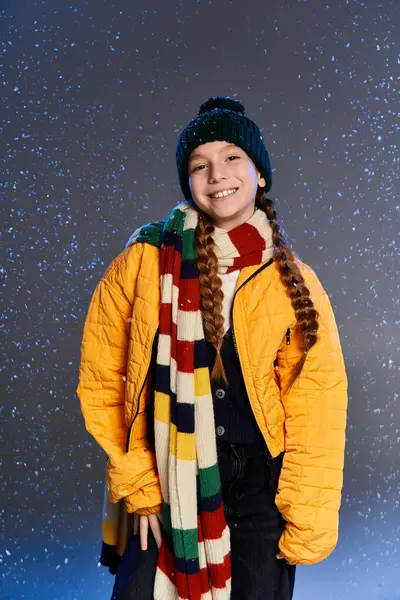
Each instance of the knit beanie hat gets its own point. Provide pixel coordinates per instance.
(222, 118)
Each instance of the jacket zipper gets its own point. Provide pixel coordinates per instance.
(233, 300)
(288, 337)
(235, 346)
(128, 435)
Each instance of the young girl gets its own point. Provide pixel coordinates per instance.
(212, 376)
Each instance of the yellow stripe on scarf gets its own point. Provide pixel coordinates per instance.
(162, 410)
(202, 381)
(187, 444)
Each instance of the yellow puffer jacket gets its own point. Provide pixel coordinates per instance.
(308, 423)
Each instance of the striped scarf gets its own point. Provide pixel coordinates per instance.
(194, 559)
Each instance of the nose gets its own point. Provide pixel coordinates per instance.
(216, 177)
(216, 173)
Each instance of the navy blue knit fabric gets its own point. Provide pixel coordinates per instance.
(234, 419)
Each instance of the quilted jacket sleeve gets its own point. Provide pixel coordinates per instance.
(101, 390)
(310, 484)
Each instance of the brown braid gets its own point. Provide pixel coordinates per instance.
(211, 294)
(291, 277)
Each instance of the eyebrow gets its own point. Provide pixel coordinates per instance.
(199, 154)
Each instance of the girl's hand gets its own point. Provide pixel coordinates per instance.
(141, 524)
(280, 556)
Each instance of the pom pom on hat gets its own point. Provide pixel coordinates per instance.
(223, 102)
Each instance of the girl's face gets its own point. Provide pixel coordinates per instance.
(218, 167)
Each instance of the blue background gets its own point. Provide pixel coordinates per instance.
(95, 94)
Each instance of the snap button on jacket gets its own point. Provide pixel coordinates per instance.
(308, 422)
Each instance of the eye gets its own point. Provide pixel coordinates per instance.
(231, 156)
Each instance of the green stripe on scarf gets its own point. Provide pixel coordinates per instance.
(185, 543)
(189, 251)
(190, 535)
(209, 481)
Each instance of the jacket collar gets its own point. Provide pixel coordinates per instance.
(247, 272)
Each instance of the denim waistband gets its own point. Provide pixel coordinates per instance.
(248, 449)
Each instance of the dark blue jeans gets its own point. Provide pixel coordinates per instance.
(249, 479)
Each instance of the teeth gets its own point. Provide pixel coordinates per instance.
(225, 193)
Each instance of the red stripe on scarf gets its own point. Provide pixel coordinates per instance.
(204, 581)
(165, 318)
(167, 259)
(200, 536)
(244, 237)
(197, 584)
(185, 351)
(189, 585)
(176, 270)
(174, 339)
(166, 562)
(219, 574)
(213, 523)
(189, 295)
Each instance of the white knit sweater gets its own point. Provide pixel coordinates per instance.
(228, 287)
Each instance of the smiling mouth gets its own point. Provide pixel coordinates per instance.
(223, 197)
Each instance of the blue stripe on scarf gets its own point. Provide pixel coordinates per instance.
(183, 566)
(109, 557)
(162, 377)
(189, 269)
(170, 238)
(201, 354)
(187, 566)
(182, 416)
(210, 503)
